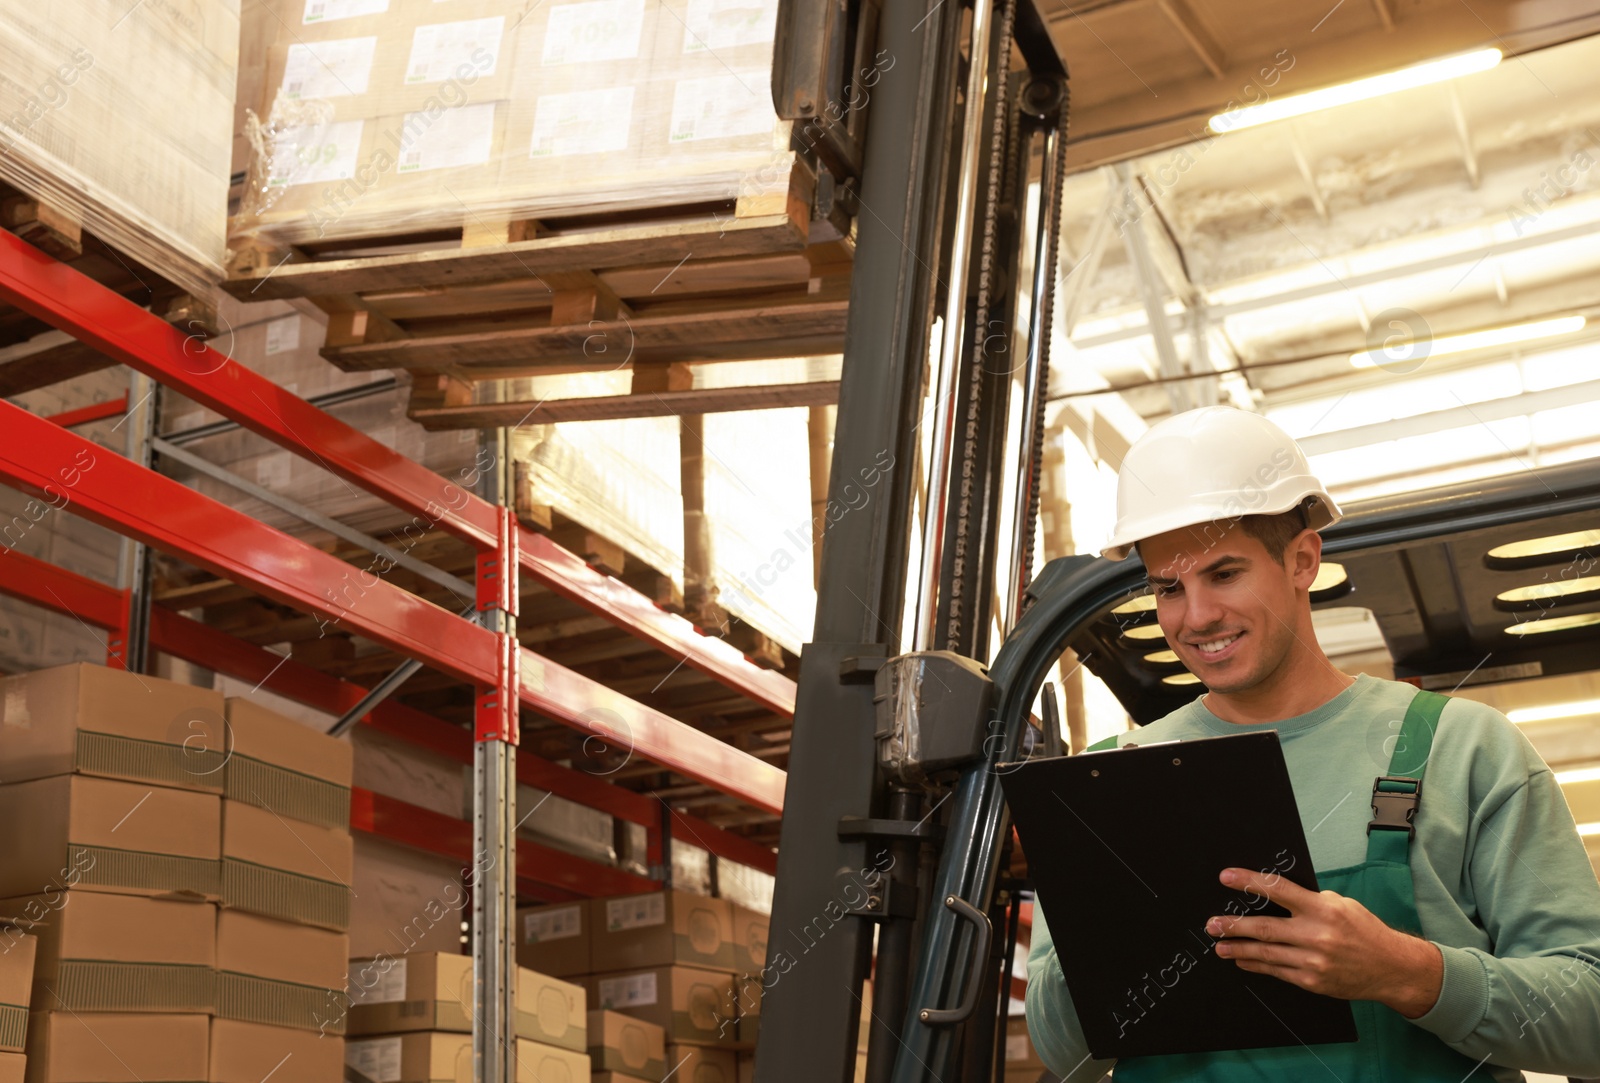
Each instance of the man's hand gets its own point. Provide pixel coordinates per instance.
(1331, 945)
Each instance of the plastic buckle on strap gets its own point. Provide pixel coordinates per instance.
(1395, 808)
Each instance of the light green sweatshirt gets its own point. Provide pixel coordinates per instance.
(1503, 884)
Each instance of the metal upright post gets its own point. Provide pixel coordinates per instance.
(129, 647)
(493, 875)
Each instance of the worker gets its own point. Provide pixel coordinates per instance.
(1469, 949)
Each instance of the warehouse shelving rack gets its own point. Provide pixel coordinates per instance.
(42, 457)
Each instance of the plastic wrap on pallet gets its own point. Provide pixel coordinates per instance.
(394, 117)
(285, 347)
(691, 868)
(553, 821)
(747, 887)
(617, 478)
(121, 116)
(758, 501)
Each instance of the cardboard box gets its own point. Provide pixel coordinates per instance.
(702, 1064)
(747, 993)
(690, 1004)
(661, 929)
(749, 940)
(279, 974)
(391, 994)
(540, 1063)
(621, 1043)
(98, 721)
(428, 1056)
(14, 1066)
(290, 768)
(92, 1047)
(405, 900)
(551, 1011)
(555, 939)
(100, 834)
(17, 950)
(117, 953)
(297, 872)
(1019, 1046)
(250, 1052)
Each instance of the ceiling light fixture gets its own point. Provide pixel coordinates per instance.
(1554, 710)
(1473, 340)
(1434, 71)
(1582, 774)
(1589, 829)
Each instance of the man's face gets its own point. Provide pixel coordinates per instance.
(1227, 607)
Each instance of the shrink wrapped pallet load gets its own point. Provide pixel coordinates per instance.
(121, 117)
(393, 117)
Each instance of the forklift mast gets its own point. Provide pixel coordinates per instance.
(939, 126)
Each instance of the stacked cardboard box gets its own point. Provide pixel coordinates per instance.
(177, 857)
(411, 1020)
(670, 959)
(391, 116)
(622, 1048)
(110, 860)
(17, 951)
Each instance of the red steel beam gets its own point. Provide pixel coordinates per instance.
(53, 464)
(84, 414)
(69, 300)
(172, 633)
(552, 690)
(539, 868)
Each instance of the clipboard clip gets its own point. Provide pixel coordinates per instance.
(1394, 803)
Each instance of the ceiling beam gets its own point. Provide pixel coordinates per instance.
(1466, 258)
(1456, 417)
(1198, 37)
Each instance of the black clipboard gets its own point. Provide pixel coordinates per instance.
(1125, 847)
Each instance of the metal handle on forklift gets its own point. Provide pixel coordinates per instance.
(944, 1017)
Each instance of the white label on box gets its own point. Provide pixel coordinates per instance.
(554, 924)
(583, 122)
(376, 1058)
(635, 912)
(598, 30)
(710, 25)
(721, 107)
(316, 154)
(1017, 1047)
(634, 991)
(283, 335)
(439, 50)
(328, 69)
(326, 11)
(456, 137)
(390, 988)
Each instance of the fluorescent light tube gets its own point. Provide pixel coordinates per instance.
(1473, 340)
(1554, 710)
(1434, 71)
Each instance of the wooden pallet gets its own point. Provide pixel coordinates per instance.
(59, 234)
(762, 276)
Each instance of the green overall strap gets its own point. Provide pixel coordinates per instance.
(1397, 795)
(1099, 746)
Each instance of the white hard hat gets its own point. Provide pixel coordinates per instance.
(1213, 464)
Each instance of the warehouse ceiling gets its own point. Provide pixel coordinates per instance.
(1276, 252)
(1148, 73)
